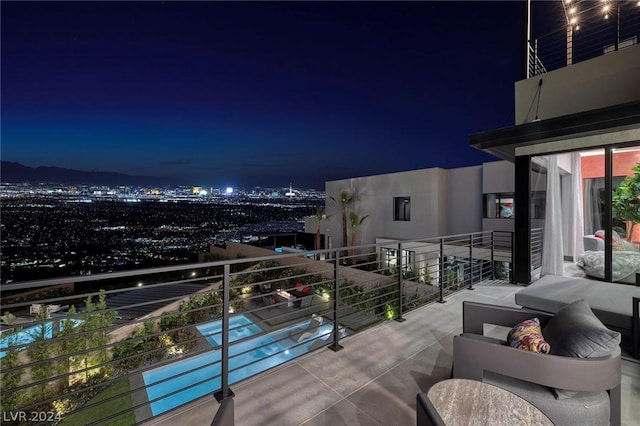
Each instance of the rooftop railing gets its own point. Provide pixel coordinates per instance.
(580, 30)
(125, 347)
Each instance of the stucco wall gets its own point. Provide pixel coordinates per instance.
(427, 189)
(498, 177)
(607, 80)
(464, 200)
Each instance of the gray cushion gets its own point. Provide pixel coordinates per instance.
(576, 332)
(592, 243)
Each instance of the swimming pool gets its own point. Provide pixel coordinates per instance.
(29, 335)
(183, 381)
(239, 327)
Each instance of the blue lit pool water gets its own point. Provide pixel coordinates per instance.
(239, 327)
(29, 335)
(246, 359)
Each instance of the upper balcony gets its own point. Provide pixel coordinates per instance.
(589, 60)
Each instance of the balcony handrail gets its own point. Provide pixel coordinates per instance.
(591, 36)
(170, 318)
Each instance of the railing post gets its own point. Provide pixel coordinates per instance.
(224, 391)
(335, 346)
(493, 262)
(513, 256)
(470, 263)
(441, 278)
(400, 283)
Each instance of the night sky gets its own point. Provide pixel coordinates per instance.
(255, 94)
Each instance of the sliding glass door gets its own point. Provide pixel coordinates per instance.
(590, 202)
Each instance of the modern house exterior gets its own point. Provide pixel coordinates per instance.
(575, 138)
(578, 123)
(422, 203)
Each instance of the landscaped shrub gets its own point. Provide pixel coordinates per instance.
(202, 307)
(138, 349)
(176, 331)
(9, 399)
(501, 270)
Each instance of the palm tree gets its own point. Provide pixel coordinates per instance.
(321, 216)
(355, 221)
(344, 199)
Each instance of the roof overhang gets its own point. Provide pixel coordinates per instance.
(590, 129)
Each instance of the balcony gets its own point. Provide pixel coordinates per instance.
(380, 337)
(583, 56)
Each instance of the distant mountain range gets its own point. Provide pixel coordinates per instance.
(11, 172)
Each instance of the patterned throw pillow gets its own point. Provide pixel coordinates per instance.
(527, 336)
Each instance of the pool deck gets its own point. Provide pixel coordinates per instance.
(374, 379)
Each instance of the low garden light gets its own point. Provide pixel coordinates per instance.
(390, 312)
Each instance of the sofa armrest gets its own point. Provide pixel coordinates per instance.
(475, 315)
(472, 357)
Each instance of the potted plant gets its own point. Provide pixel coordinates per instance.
(626, 200)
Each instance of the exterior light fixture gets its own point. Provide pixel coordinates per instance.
(572, 10)
(573, 21)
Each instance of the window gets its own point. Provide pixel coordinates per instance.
(498, 206)
(402, 208)
(389, 259)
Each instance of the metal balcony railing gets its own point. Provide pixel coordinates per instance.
(569, 32)
(125, 347)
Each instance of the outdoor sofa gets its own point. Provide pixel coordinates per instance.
(625, 258)
(616, 305)
(577, 383)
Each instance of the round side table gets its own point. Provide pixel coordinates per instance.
(470, 402)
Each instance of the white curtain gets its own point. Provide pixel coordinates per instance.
(577, 213)
(552, 252)
(593, 188)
